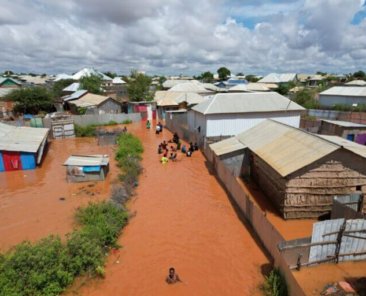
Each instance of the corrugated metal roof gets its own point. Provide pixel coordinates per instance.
(278, 78)
(250, 87)
(172, 98)
(172, 82)
(74, 96)
(344, 123)
(351, 91)
(227, 146)
(118, 80)
(285, 148)
(87, 160)
(24, 139)
(3, 79)
(346, 144)
(356, 83)
(90, 100)
(86, 72)
(195, 87)
(63, 76)
(72, 87)
(246, 103)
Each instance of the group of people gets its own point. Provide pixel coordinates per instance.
(190, 150)
(169, 149)
(158, 128)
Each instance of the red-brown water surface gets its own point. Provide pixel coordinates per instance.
(183, 219)
(30, 205)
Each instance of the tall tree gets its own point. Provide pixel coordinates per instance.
(223, 73)
(31, 100)
(92, 84)
(207, 77)
(58, 86)
(138, 87)
(110, 74)
(251, 78)
(359, 75)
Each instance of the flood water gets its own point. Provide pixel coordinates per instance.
(30, 205)
(183, 218)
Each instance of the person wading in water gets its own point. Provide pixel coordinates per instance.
(172, 277)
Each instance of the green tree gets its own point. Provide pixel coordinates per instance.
(91, 83)
(31, 100)
(306, 98)
(58, 86)
(359, 75)
(110, 74)
(207, 77)
(223, 73)
(251, 78)
(138, 87)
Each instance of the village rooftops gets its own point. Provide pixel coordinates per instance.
(172, 98)
(12, 80)
(356, 83)
(118, 80)
(87, 160)
(72, 87)
(24, 139)
(193, 86)
(347, 91)
(278, 78)
(344, 123)
(285, 148)
(76, 95)
(246, 103)
(90, 100)
(86, 72)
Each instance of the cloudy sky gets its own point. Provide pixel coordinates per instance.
(183, 36)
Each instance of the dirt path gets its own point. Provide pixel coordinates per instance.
(183, 219)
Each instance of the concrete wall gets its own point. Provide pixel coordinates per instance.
(233, 124)
(330, 100)
(266, 232)
(84, 120)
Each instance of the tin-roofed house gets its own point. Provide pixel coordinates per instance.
(21, 148)
(298, 171)
(225, 115)
(94, 104)
(83, 168)
(349, 130)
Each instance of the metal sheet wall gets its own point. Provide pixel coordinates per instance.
(233, 124)
(28, 161)
(2, 168)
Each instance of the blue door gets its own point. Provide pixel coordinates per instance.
(1, 163)
(28, 160)
(351, 137)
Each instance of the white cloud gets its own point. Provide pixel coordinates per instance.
(182, 36)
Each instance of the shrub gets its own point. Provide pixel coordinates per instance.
(127, 121)
(85, 131)
(275, 284)
(49, 266)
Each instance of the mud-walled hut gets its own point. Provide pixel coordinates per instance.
(21, 148)
(298, 171)
(83, 168)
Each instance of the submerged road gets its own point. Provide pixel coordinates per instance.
(183, 218)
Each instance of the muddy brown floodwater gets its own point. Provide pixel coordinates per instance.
(30, 205)
(183, 219)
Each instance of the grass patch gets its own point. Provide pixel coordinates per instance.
(91, 130)
(49, 266)
(275, 284)
(128, 158)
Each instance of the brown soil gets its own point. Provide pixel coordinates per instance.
(30, 204)
(183, 219)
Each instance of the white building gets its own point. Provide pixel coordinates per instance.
(228, 114)
(343, 95)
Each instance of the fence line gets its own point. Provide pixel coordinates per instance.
(84, 120)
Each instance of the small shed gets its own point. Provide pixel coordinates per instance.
(147, 109)
(354, 132)
(21, 148)
(83, 168)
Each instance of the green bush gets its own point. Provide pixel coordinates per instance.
(127, 121)
(49, 266)
(85, 131)
(275, 284)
